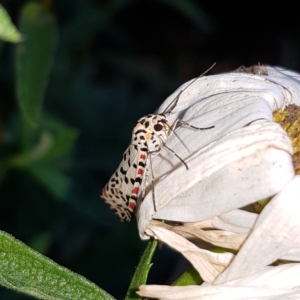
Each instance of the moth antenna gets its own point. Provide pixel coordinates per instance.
(174, 102)
(172, 151)
(288, 69)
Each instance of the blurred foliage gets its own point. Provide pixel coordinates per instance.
(8, 31)
(98, 67)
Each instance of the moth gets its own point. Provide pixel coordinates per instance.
(149, 136)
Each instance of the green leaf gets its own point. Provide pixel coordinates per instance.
(55, 144)
(63, 137)
(260, 205)
(223, 250)
(190, 277)
(34, 59)
(49, 159)
(141, 273)
(27, 271)
(54, 180)
(8, 31)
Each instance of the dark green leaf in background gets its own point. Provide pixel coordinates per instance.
(194, 13)
(50, 158)
(34, 59)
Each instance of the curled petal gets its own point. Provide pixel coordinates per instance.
(221, 238)
(238, 221)
(208, 264)
(216, 293)
(276, 231)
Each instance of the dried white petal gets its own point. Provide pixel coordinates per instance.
(238, 221)
(279, 277)
(274, 283)
(292, 254)
(216, 293)
(208, 264)
(219, 238)
(276, 231)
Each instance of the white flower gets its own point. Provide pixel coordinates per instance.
(246, 157)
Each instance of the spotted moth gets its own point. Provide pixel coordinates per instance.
(149, 135)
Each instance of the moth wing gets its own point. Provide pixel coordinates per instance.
(129, 165)
(117, 192)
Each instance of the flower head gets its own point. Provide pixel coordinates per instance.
(245, 158)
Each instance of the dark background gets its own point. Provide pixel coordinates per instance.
(115, 62)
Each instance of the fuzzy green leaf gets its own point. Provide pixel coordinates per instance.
(29, 272)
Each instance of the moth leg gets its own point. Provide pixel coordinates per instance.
(241, 69)
(152, 175)
(145, 181)
(173, 152)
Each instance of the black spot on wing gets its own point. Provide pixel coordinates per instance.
(134, 198)
(138, 179)
(122, 171)
(142, 164)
